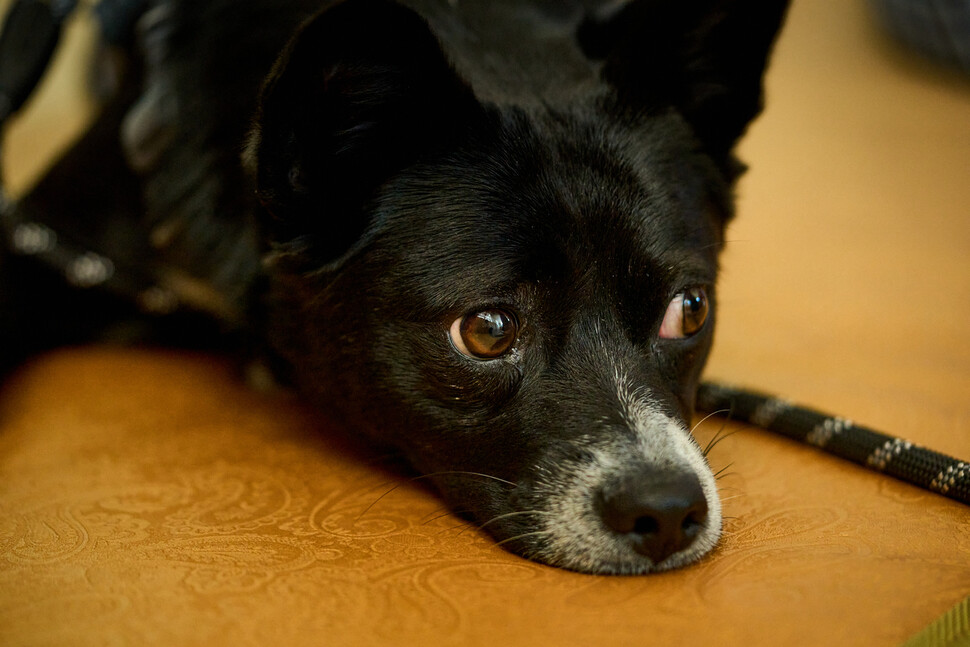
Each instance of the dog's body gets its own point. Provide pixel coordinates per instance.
(488, 240)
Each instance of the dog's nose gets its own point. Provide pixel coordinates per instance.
(659, 512)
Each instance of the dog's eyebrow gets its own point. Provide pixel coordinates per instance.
(446, 285)
(691, 269)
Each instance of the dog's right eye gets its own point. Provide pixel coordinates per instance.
(685, 314)
(484, 335)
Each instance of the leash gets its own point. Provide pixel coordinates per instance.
(840, 437)
(30, 36)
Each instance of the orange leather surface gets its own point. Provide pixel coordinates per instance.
(150, 497)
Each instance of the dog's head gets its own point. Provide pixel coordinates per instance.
(519, 299)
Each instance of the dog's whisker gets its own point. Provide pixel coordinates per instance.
(714, 439)
(438, 514)
(376, 501)
(463, 473)
(718, 474)
(523, 536)
(392, 483)
(463, 525)
(718, 438)
(729, 413)
(516, 514)
(708, 417)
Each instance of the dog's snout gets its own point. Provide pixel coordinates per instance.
(660, 513)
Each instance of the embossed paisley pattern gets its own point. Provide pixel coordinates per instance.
(161, 502)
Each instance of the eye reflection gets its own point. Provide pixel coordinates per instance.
(484, 335)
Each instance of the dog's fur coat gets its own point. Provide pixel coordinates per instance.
(563, 167)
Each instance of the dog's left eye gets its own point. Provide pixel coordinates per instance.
(484, 335)
(685, 314)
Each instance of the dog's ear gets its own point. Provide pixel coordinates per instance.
(361, 91)
(706, 58)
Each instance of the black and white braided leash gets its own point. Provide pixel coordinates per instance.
(889, 455)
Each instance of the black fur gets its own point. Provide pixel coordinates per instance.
(569, 163)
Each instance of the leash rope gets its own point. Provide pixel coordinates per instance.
(27, 42)
(881, 452)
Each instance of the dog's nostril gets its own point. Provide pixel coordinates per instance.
(645, 526)
(694, 522)
(660, 513)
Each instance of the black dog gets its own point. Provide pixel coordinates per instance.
(484, 232)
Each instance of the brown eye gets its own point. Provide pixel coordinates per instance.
(484, 335)
(685, 314)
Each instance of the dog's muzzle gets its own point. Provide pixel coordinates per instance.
(626, 503)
